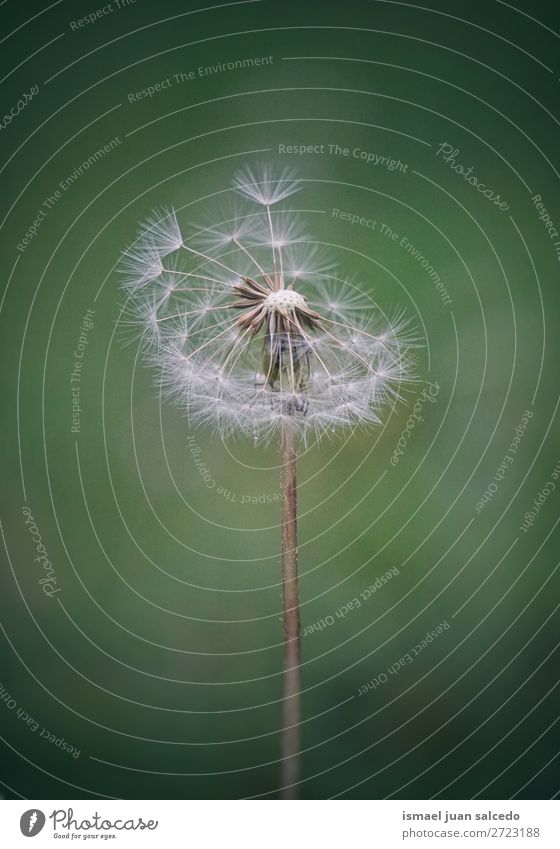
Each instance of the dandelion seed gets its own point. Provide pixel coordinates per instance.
(140, 266)
(262, 185)
(161, 232)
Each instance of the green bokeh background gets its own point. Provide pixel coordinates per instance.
(160, 657)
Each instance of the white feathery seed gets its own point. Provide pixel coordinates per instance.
(263, 186)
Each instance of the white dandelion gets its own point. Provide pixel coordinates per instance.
(253, 333)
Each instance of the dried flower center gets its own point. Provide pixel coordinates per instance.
(285, 299)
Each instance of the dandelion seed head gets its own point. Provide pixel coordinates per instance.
(285, 299)
(248, 327)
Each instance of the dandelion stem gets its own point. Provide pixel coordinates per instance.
(272, 243)
(209, 259)
(292, 639)
(250, 255)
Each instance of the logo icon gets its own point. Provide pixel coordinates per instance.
(32, 822)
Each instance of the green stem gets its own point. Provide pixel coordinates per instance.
(292, 639)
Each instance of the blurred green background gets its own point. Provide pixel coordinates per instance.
(159, 656)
